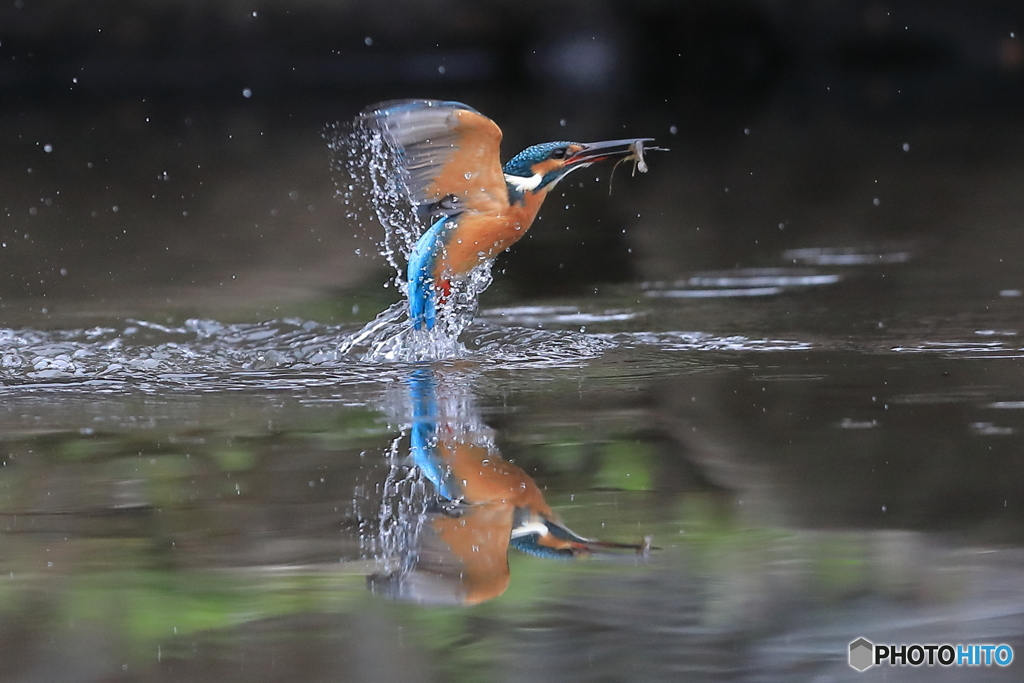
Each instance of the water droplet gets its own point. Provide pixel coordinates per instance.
(673, 130)
(246, 93)
(906, 146)
(47, 148)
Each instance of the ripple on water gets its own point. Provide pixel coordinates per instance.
(206, 355)
(196, 354)
(967, 349)
(1007, 405)
(522, 347)
(532, 315)
(865, 255)
(701, 341)
(739, 283)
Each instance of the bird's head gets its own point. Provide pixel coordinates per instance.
(536, 534)
(540, 167)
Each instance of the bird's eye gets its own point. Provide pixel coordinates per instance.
(559, 153)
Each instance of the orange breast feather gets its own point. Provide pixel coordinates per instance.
(480, 236)
(480, 540)
(485, 477)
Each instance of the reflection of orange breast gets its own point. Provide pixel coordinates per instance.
(492, 488)
(485, 477)
(479, 237)
(479, 538)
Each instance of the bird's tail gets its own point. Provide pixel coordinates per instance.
(423, 289)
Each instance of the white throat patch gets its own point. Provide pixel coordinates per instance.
(524, 184)
(530, 528)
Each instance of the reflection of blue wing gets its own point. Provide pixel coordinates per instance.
(420, 273)
(423, 436)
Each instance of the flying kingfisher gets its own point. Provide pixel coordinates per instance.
(449, 163)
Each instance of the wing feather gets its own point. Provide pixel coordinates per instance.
(445, 149)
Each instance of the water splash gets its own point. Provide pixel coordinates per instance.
(196, 354)
(286, 354)
(391, 337)
(369, 179)
(401, 514)
(416, 406)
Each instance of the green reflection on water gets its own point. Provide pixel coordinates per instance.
(147, 607)
(625, 465)
(167, 571)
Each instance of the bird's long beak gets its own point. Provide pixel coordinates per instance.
(608, 548)
(593, 152)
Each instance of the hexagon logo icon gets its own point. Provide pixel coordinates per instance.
(862, 654)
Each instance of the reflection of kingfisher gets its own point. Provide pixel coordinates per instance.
(449, 160)
(484, 504)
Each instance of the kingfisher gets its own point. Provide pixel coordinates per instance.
(450, 166)
(484, 504)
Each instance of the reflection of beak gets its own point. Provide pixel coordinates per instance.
(593, 152)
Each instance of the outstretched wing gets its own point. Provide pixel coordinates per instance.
(448, 154)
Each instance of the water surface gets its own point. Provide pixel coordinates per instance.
(195, 499)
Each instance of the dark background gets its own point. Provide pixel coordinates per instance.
(187, 168)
